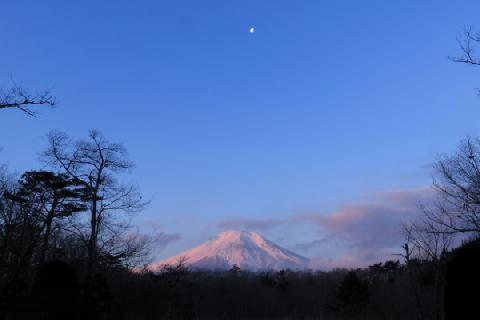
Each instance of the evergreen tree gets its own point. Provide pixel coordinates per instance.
(354, 293)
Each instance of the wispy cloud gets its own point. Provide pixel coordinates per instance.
(163, 239)
(307, 246)
(356, 260)
(250, 224)
(366, 232)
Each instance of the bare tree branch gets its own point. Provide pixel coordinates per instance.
(467, 43)
(17, 97)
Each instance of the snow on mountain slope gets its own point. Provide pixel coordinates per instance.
(249, 250)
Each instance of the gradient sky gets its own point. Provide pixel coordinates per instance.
(328, 116)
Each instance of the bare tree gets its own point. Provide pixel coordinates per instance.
(17, 97)
(95, 163)
(426, 240)
(8, 216)
(468, 42)
(127, 249)
(427, 243)
(458, 185)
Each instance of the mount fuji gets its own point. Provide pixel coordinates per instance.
(248, 250)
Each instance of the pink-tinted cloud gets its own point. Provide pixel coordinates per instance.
(250, 224)
(348, 261)
(351, 261)
(367, 232)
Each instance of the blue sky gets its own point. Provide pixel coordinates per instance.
(326, 105)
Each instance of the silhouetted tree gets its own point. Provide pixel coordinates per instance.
(12, 232)
(94, 163)
(463, 281)
(353, 293)
(22, 99)
(458, 186)
(48, 197)
(56, 288)
(235, 270)
(426, 238)
(30, 211)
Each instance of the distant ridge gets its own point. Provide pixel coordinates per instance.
(248, 250)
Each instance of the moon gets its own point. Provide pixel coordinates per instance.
(252, 29)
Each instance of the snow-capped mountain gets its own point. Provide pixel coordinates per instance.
(248, 250)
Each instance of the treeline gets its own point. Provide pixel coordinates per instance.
(383, 291)
(389, 290)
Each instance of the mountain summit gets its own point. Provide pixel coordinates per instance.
(248, 250)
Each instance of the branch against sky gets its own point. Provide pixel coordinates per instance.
(457, 181)
(467, 43)
(19, 98)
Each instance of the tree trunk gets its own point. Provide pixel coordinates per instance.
(46, 238)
